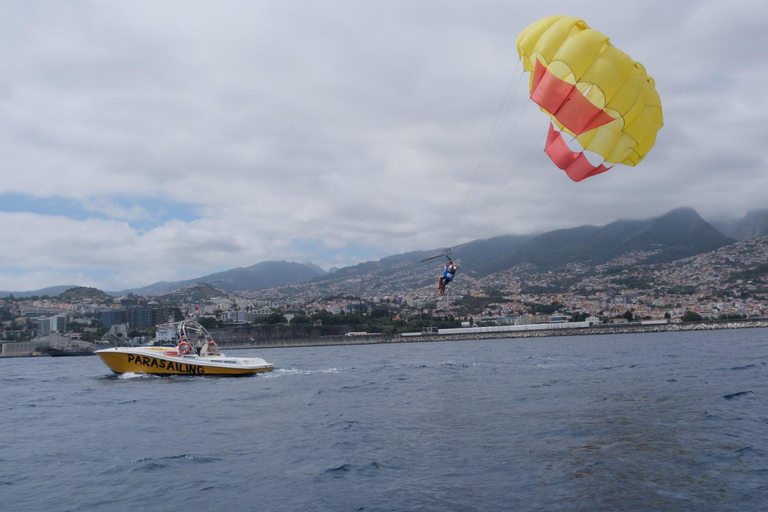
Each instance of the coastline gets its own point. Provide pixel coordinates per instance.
(237, 344)
(583, 331)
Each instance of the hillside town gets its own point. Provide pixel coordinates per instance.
(729, 283)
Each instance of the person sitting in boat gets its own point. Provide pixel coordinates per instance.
(449, 271)
(206, 346)
(199, 343)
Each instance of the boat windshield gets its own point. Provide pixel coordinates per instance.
(197, 337)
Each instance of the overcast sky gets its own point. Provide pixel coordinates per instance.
(155, 140)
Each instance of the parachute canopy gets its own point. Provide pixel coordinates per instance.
(592, 91)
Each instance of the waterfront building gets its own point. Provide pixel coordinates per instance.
(113, 317)
(59, 323)
(239, 317)
(43, 326)
(119, 329)
(22, 348)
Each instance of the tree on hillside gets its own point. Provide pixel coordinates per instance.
(275, 318)
(209, 322)
(544, 309)
(578, 316)
(5, 315)
(691, 316)
(301, 320)
(380, 313)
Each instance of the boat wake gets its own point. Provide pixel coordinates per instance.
(131, 375)
(286, 372)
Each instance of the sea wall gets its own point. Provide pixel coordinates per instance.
(598, 330)
(303, 342)
(583, 331)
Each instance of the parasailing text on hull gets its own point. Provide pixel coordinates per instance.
(151, 362)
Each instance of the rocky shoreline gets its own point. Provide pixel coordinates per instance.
(588, 331)
(598, 330)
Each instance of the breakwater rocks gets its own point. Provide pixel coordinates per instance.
(597, 330)
(543, 333)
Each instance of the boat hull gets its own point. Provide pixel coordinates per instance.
(154, 362)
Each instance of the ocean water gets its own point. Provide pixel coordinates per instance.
(668, 421)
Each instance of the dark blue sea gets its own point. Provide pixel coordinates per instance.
(668, 421)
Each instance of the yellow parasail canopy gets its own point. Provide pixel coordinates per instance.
(591, 90)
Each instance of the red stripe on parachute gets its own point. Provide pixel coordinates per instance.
(565, 102)
(575, 164)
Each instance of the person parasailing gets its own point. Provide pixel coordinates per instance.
(449, 271)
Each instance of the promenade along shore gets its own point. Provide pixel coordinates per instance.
(489, 333)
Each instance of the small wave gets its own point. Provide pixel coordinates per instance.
(549, 383)
(456, 364)
(361, 386)
(198, 459)
(343, 425)
(13, 380)
(147, 464)
(152, 463)
(338, 471)
(747, 367)
(736, 395)
(342, 470)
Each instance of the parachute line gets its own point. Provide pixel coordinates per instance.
(498, 138)
(612, 109)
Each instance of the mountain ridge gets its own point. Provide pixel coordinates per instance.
(754, 224)
(266, 274)
(676, 234)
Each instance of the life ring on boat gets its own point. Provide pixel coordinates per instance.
(184, 348)
(212, 344)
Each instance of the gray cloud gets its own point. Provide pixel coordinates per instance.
(336, 131)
